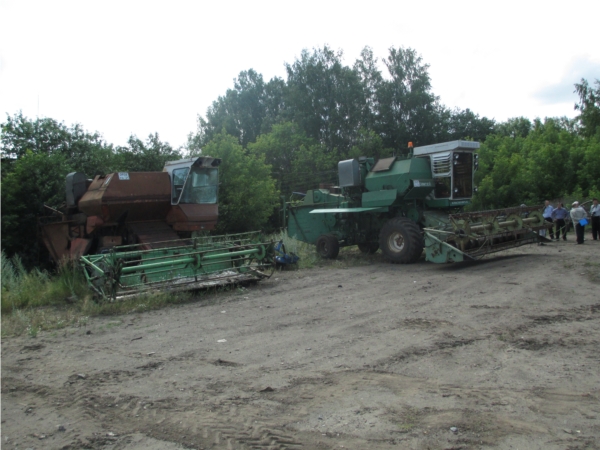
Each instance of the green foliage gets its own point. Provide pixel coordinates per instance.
(245, 111)
(336, 105)
(326, 97)
(247, 192)
(528, 163)
(35, 179)
(280, 147)
(465, 124)
(409, 110)
(589, 105)
(144, 157)
(85, 151)
(298, 162)
(370, 144)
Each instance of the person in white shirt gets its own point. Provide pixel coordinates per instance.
(547, 213)
(577, 215)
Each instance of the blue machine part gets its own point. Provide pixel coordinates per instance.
(282, 257)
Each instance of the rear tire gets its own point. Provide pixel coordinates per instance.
(401, 241)
(328, 246)
(368, 248)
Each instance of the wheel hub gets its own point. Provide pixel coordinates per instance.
(396, 242)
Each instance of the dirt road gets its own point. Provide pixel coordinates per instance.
(503, 353)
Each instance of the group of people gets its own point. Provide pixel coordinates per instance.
(579, 217)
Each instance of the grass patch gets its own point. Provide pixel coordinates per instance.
(33, 319)
(38, 301)
(22, 289)
(348, 257)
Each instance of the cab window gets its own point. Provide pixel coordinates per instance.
(179, 176)
(201, 186)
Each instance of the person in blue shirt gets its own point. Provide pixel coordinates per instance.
(559, 214)
(548, 208)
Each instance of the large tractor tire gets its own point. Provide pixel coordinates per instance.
(401, 241)
(328, 246)
(368, 248)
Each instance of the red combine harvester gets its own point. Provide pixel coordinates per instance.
(138, 231)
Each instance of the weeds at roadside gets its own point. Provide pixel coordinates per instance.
(37, 301)
(309, 259)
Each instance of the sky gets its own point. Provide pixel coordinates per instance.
(133, 67)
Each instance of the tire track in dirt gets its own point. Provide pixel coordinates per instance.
(174, 420)
(391, 407)
(577, 314)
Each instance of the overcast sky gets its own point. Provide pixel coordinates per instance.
(138, 67)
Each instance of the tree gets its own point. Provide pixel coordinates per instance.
(589, 105)
(245, 111)
(35, 179)
(145, 157)
(408, 109)
(369, 144)
(464, 124)
(514, 128)
(86, 152)
(280, 147)
(325, 99)
(20, 135)
(371, 81)
(526, 162)
(247, 193)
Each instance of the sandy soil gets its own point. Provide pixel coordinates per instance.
(502, 353)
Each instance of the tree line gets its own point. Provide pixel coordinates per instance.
(281, 136)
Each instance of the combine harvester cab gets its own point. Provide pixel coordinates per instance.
(408, 204)
(136, 232)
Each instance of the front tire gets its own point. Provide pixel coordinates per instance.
(401, 241)
(328, 246)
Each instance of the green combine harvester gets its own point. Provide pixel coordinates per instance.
(404, 205)
(138, 232)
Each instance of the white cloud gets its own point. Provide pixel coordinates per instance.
(563, 91)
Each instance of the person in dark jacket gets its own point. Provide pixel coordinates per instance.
(559, 215)
(595, 213)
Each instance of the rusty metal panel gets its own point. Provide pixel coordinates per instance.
(155, 234)
(110, 241)
(56, 239)
(92, 223)
(134, 195)
(79, 247)
(193, 217)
